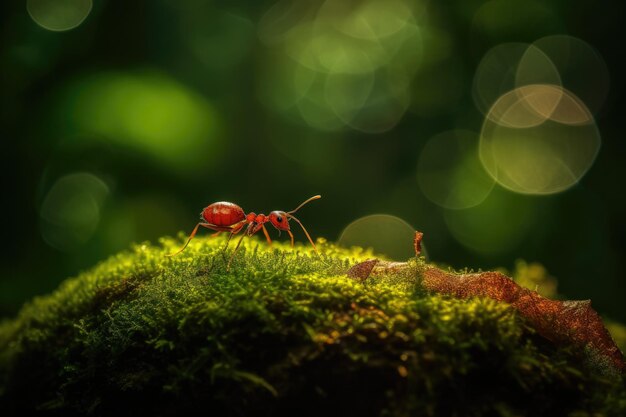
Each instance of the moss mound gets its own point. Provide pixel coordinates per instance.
(283, 332)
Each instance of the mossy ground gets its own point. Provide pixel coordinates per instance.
(284, 332)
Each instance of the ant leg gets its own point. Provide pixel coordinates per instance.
(267, 236)
(230, 236)
(238, 244)
(233, 231)
(305, 232)
(195, 230)
(291, 236)
(216, 234)
(237, 227)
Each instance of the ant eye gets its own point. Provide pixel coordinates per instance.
(279, 219)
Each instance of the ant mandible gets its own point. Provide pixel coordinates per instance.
(228, 217)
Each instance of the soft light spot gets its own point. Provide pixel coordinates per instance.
(581, 68)
(510, 65)
(538, 140)
(147, 112)
(348, 66)
(58, 15)
(526, 106)
(70, 211)
(385, 234)
(385, 106)
(536, 67)
(346, 94)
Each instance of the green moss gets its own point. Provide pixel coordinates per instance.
(282, 330)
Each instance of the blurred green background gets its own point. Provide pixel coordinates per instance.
(495, 127)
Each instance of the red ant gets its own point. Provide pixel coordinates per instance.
(228, 217)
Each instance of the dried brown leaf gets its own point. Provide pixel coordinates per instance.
(570, 323)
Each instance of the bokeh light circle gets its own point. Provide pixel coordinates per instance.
(538, 139)
(348, 65)
(386, 104)
(503, 68)
(70, 211)
(376, 20)
(59, 15)
(449, 171)
(346, 94)
(526, 106)
(385, 234)
(581, 68)
(535, 67)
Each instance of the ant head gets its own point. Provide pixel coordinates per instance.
(279, 220)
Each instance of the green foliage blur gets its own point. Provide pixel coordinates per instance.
(122, 120)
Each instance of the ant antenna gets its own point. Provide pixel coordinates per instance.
(302, 226)
(315, 197)
(289, 214)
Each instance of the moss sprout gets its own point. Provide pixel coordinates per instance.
(283, 332)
